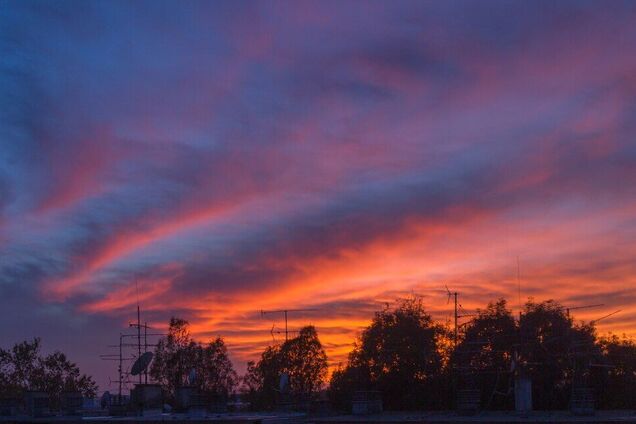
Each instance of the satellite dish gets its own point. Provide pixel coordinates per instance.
(141, 364)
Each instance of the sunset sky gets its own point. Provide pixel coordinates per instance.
(212, 159)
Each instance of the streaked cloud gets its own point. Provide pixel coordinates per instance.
(216, 159)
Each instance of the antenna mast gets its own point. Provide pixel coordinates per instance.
(138, 325)
(518, 287)
(596, 305)
(121, 375)
(454, 295)
(138, 334)
(285, 312)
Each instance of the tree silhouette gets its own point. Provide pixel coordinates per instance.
(22, 368)
(615, 379)
(261, 381)
(553, 350)
(177, 354)
(401, 354)
(305, 361)
(302, 358)
(482, 359)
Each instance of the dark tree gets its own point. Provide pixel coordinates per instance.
(302, 358)
(554, 352)
(23, 368)
(615, 378)
(548, 346)
(401, 354)
(347, 379)
(214, 371)
(305, 361)
(174, 356)
(261, 381)
(482, 359)
(177, 354)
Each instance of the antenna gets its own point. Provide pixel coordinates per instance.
(121, 377)
(457, 308)
(140, 358)
(141, 364)
(138, 325)
(453, 294)
(272, 333)
(285, 312)
(596, 305)
(606, 316)
(518, 286)
(120, 358)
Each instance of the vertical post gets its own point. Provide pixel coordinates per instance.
(518, 286)
(145, 350)
(139, 337)
(456, 330)
(121, 377)
(286, 333)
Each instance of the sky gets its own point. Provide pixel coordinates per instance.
(213, 159)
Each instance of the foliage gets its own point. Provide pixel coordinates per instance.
(399, 354)
(261, 381)
(402, 354)
(615, 379)
(214, 370)
(172, 356)
(483, 356)
(22, 368)
(302, 358)
(345, 380)
(548, 346)
(305, 361)
(554, 352)
(177, 354)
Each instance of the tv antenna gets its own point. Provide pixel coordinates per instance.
(139, 359)
(285, 312)
(519, 286)
(121, 359)
(454, 295)
(594, 321)
(457, 315)
(275, 330)
(138, 325)
(596, 305)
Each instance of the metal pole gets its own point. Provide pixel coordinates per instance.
(121, 377)
(146, 350)
(456, 335)
(286, 332)
(139, 337)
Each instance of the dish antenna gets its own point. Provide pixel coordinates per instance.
(141, 364)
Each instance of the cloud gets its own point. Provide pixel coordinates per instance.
(228, 158)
